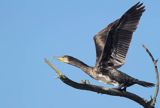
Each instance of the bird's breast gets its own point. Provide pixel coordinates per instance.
(104, 78)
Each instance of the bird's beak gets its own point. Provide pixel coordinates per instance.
(61, 59)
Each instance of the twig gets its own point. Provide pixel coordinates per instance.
(100, 89)
(153, 100)
(53, 67)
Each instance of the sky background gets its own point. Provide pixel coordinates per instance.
(31, 30)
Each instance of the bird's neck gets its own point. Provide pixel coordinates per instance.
(84, 67)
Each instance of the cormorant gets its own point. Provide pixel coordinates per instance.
(112, 44)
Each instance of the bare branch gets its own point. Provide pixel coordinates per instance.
(153, 100)
(100, 89)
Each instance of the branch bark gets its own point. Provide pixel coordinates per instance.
(111, 91)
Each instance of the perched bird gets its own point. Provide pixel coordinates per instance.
(112, 45)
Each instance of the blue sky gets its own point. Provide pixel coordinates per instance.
(31, 30)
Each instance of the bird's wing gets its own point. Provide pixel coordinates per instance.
(100, 40)
(112, 43)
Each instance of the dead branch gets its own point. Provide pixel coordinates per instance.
(153, 100)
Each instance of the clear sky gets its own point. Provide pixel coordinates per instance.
(31, 30)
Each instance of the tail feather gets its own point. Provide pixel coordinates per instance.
(145, 84)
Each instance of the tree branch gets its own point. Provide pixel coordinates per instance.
(100, 89)
(153, 100)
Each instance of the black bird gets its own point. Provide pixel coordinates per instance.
(112, 44)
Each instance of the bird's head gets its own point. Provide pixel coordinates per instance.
(72, 61)
(65, 59)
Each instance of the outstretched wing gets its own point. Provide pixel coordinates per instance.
(112, 43)
(100, 40)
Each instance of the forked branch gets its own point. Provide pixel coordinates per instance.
(111, 91)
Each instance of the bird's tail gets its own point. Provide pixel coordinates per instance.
(144, 83)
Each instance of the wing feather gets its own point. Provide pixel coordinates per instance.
(112, 42)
